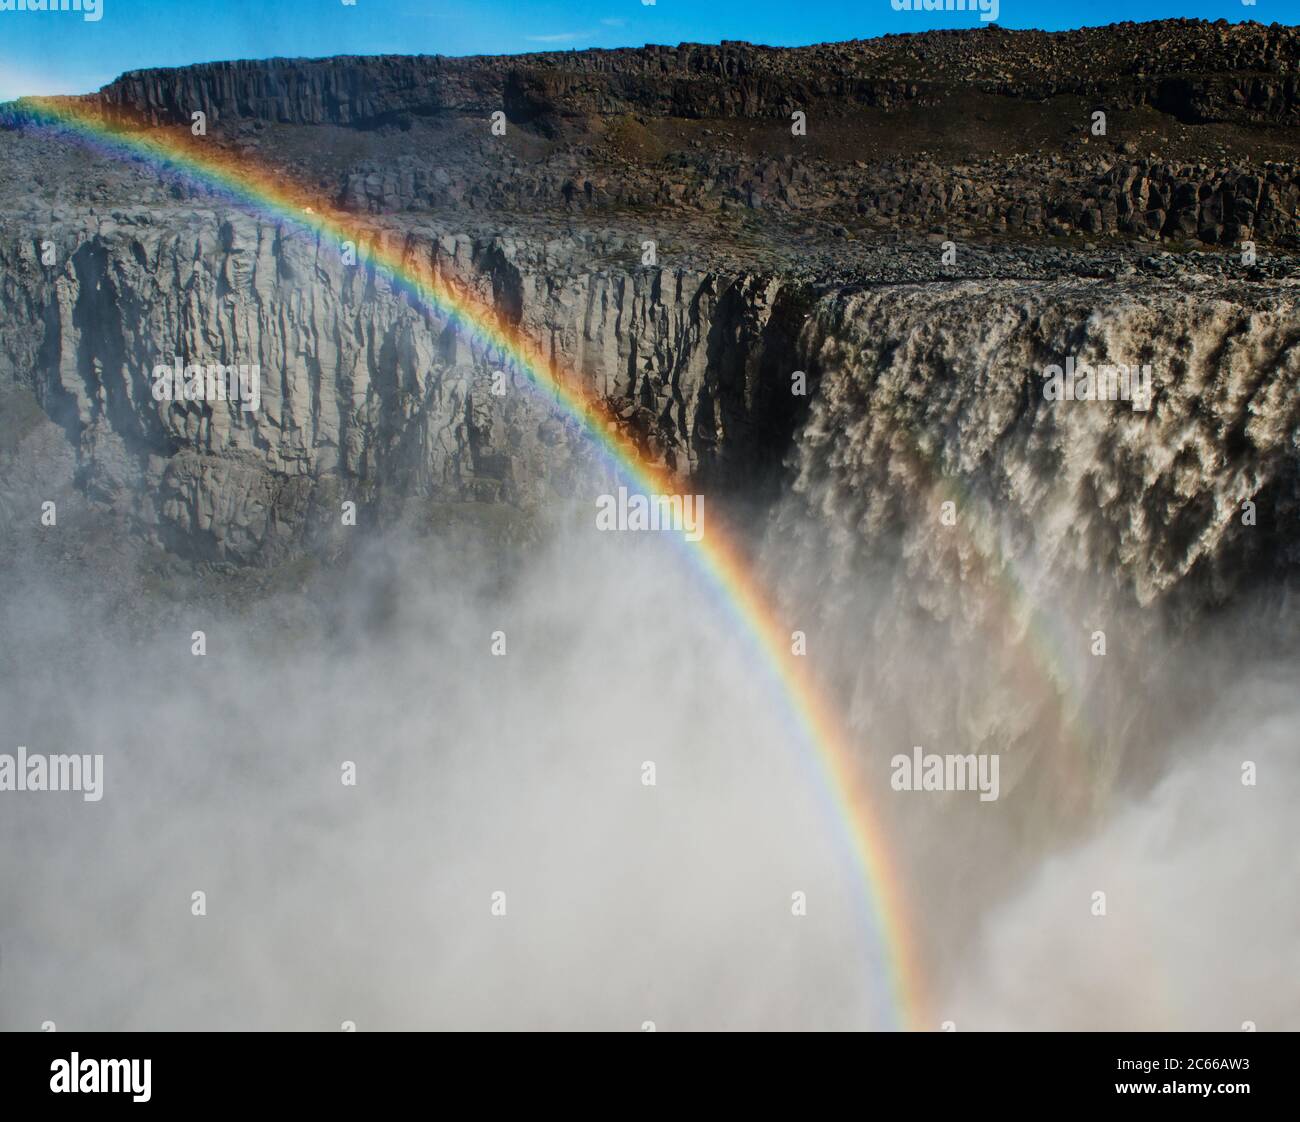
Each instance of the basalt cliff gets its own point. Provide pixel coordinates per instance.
(917, 226)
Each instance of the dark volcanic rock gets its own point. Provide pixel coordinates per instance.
(983, 131)
(1194, 70)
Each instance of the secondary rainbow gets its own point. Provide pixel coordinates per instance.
(717, 556)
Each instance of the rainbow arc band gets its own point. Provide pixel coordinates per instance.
(717, 556)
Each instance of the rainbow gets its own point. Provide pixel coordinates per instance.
(718, 556)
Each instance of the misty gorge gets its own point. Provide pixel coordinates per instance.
(582, 776)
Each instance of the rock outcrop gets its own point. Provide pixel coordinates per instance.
(1196, 71)
(985, 131)
(360, 390)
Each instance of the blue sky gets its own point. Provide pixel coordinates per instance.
(45, 52)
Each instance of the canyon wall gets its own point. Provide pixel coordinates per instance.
(361, 390)
(364, 392)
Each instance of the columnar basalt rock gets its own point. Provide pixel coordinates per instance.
(1195, 70)
(361, 390)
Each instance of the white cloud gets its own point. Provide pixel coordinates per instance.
(559, 37)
